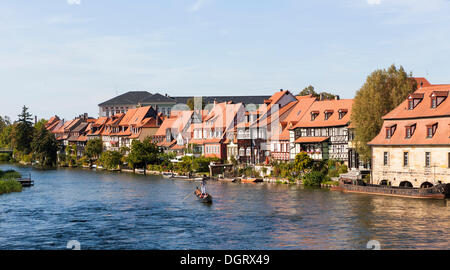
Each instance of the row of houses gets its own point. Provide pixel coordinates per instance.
(412, 149)
(279, 128)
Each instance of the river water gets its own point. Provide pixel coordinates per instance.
(104, 210)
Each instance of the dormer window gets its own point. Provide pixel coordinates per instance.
(433, 102)
(342, 113)
(314, 114)
(409, 130)
(414, 99)
(390, 131)
(328, 113)
(437, 97)
(431, 129)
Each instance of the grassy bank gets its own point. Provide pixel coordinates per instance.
(8, 182)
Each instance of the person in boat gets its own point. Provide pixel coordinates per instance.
(203, 188)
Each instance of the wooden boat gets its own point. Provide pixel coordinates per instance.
(207, 198)
(438, 191)
(251, 180)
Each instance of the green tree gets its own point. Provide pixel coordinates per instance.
(41, 123)
(309, 90)
(93, 149)
(143, 153)
(45, 148)
(111, 159)
(23, 132)
(6, 136)
(303, 162)
(191, 104)
(382, 92)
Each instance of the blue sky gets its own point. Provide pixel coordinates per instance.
(65, 56)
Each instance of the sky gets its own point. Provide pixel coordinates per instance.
(64, 57)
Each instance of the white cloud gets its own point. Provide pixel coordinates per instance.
(373, 2)
(197, 5)
(74, 2)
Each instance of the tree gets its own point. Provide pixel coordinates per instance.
(111, 159)
(93, 149)
(303, 162)
(6, 135)
(39, 124)
(45, 148)
(382, 92)
(309, 90)
(191, 104)
(23, 132)
(143, 153)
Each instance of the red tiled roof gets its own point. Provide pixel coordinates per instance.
(321, 107)
(423, 108)
(419, 137)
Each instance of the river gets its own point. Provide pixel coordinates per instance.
(105, 210)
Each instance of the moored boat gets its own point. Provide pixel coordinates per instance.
(167, 174)
(251, 180)
(439, 191)
(206, 198)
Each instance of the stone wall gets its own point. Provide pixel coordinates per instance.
(415, 172)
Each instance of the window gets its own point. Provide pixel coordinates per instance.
(427, 159)
(390, 131)
(431, 129)
(342, 113)
(328, 114)
(433, 102)
(410, 104)
(405, 158)
(448, 165)
(410, 130)
(314, 115)
(385, 158)
(429, 132)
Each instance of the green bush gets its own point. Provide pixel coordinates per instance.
(313, 179)
(333, 173)
(9, 174)
(8, 186)
(343, 169)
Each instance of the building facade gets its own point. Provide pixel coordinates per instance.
(323, 131)
(413, 146)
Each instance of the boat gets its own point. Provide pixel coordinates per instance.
(251, 180)
(167, 174)
(439, 191)
(207, 198)
(227, 179)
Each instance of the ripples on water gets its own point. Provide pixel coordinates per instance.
(105, 210)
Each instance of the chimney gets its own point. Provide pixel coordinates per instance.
(281, 90)
(336, 97)
(35, 119)
(321, 96)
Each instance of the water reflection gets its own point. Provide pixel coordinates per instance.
(125, 211)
